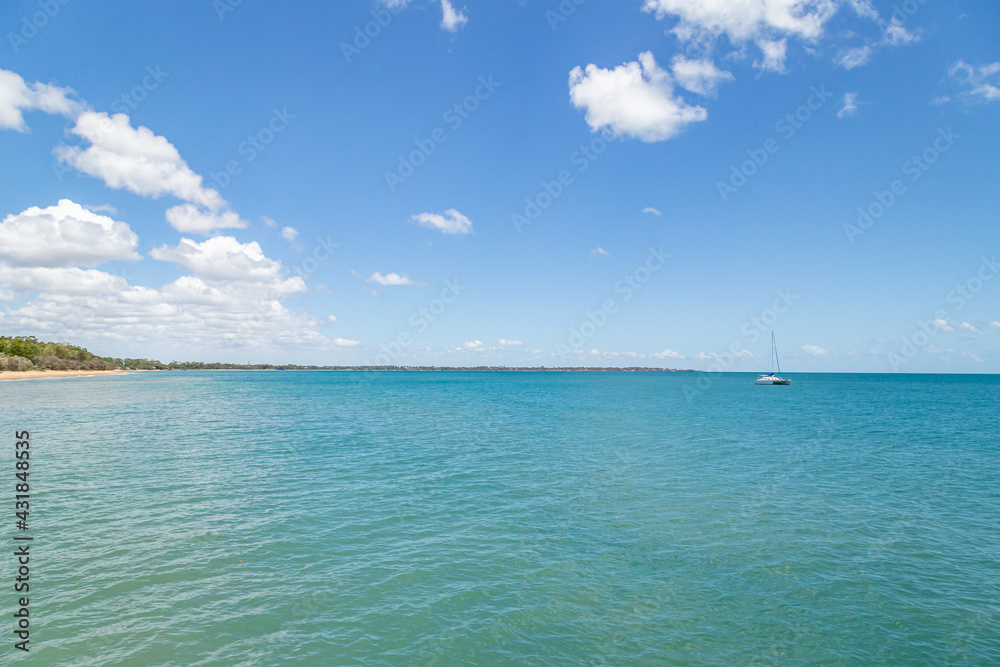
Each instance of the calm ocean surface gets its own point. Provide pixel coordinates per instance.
(325, 518)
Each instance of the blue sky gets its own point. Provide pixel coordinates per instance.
(651, 183)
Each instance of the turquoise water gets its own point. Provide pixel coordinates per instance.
(509, 518)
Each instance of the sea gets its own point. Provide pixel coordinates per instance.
(505, 518)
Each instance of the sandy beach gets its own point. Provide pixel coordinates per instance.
(36, 375)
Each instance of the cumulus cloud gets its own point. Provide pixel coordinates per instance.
(815, 350)
(982, 82)
(190, 219)
(289, 233)
(451, 19)
(474, 345)
(134, 159)
(668, 354)
(60, 281)
(634, 99)
(346, 342)
(969, 327)
(942, 325)
(450, 222)
(699, 76)
(17, 96)
(509, 343)
(64, 235)
(744, 19)
(392, 279)
(850, 107)
(187, 312)
(223, 258)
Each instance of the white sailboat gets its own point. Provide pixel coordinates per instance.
(771, 377)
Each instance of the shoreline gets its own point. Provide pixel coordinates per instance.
(40, 375)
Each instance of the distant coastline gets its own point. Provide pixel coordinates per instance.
(43, 374)
(40, 375)
(26, 357)
(526, 369)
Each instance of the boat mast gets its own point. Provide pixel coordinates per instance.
(775, 347)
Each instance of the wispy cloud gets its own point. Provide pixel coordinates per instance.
(982, 82)
(599, 251)
(815, 351)
(850, 107)
(654, 211)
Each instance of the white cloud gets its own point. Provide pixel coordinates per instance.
(223, 258)
(768, 23)
(982, 81)
(969, 327)
(346, 342)
(864, 8)
(474, 345)
(634, 99)
(772, 55)
(17, 96)
(995, 324)
(451, 19)
(668, 354)
(64, 235)
(856, 57)
(289, 233)
(190, 219)
(451, 222)
(391, 279)
(269, 221)
(942, 325)
(509, 343)
(61, 281)
(598, 251)
(74, 303)
(331, 318)
(850, 107)
(134, 159)
(654, 211)
(699, 76)
(743, 20)
(897, 35)
(815, 350)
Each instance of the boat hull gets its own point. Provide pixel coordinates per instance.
(773, 381)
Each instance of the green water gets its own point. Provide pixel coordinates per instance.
(508, 518)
